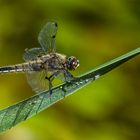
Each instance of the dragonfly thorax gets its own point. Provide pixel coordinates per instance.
(53, 61)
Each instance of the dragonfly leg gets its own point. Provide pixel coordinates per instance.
(50, 79)
(50, 84)
(68, 76)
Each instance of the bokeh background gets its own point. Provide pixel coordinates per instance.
(94, 31)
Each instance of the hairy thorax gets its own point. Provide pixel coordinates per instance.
(53, 62)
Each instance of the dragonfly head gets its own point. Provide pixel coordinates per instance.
(72, 63)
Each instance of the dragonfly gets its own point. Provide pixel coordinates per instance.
(43, 64)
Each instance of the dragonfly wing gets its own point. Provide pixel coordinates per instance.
(37, 81)
(46, 37)
(33, 54)
(64, 75)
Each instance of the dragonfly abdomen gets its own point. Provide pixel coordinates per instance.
(14, 68)
(24, 67)
(6, 69)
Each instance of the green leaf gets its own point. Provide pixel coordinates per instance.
(23, 110)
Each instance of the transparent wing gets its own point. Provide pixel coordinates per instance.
(65, 76)
(37, 81)
(46, 37)
(33, 54)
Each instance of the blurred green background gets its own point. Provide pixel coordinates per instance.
(93, 31)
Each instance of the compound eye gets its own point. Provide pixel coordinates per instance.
(70, 58)
(72, 63)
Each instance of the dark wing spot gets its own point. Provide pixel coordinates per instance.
(55, 24)
(53, 36)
